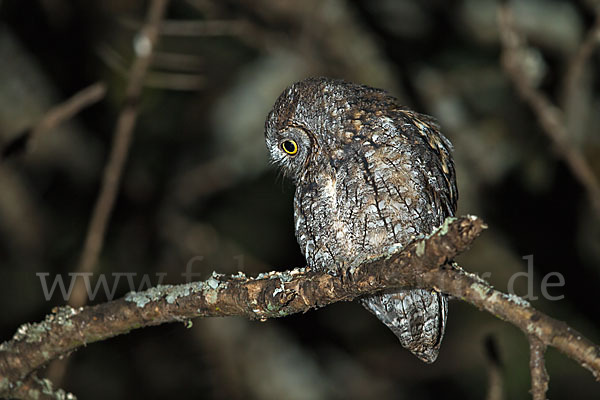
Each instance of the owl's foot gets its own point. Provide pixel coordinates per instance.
(337, 269)
(341, 270)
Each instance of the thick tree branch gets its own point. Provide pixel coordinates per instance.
(422, 263)
(269, 295)
(33, 387)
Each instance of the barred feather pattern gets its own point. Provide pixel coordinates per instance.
(369, 174)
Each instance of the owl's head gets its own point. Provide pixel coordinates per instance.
(290, 130)
(308, 121)
(291, 148)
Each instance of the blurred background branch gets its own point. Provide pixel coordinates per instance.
(56, 116)
(495, 372)
(144, 44)
(514, 60)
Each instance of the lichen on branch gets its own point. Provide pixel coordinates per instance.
(424, 263)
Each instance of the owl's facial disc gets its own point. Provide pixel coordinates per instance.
(289, 149)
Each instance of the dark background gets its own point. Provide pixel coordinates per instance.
(198, 184)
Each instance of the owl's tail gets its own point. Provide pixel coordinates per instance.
(416, 316)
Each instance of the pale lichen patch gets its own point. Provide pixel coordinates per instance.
(518, 300)
(63, 315)
(173, 292)
(471, 275)
(212, 283)
(211, 296)
(420, 248)
(239, 275)
(34, 333)
(278, 290)
(22, 332)
(45, 388)
(178, 291)
(394, 249)
(142, 298)
(298, 271)
(443, 229)
(482, 289)
(534, 329)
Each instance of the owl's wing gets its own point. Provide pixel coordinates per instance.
(439, 164)
(418, 316)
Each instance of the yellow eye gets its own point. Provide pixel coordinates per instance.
(289, 146)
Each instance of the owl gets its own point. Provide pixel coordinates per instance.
(369, 174)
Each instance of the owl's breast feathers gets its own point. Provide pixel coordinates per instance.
(389, 178)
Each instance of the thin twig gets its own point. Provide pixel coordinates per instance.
(422, 263)
(495, 378)
(577, 63)
(193, 27)
(58, 115)
(551, 118)
(68, 109)
(159, 79)
(513, 309)
(178, 62)
(175, 81)
(120, 148)
(114, 167)
(539, 376)
(575, 92)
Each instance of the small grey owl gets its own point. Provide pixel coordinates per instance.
(369, 174)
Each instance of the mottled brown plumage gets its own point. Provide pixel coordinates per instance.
(369, 174)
